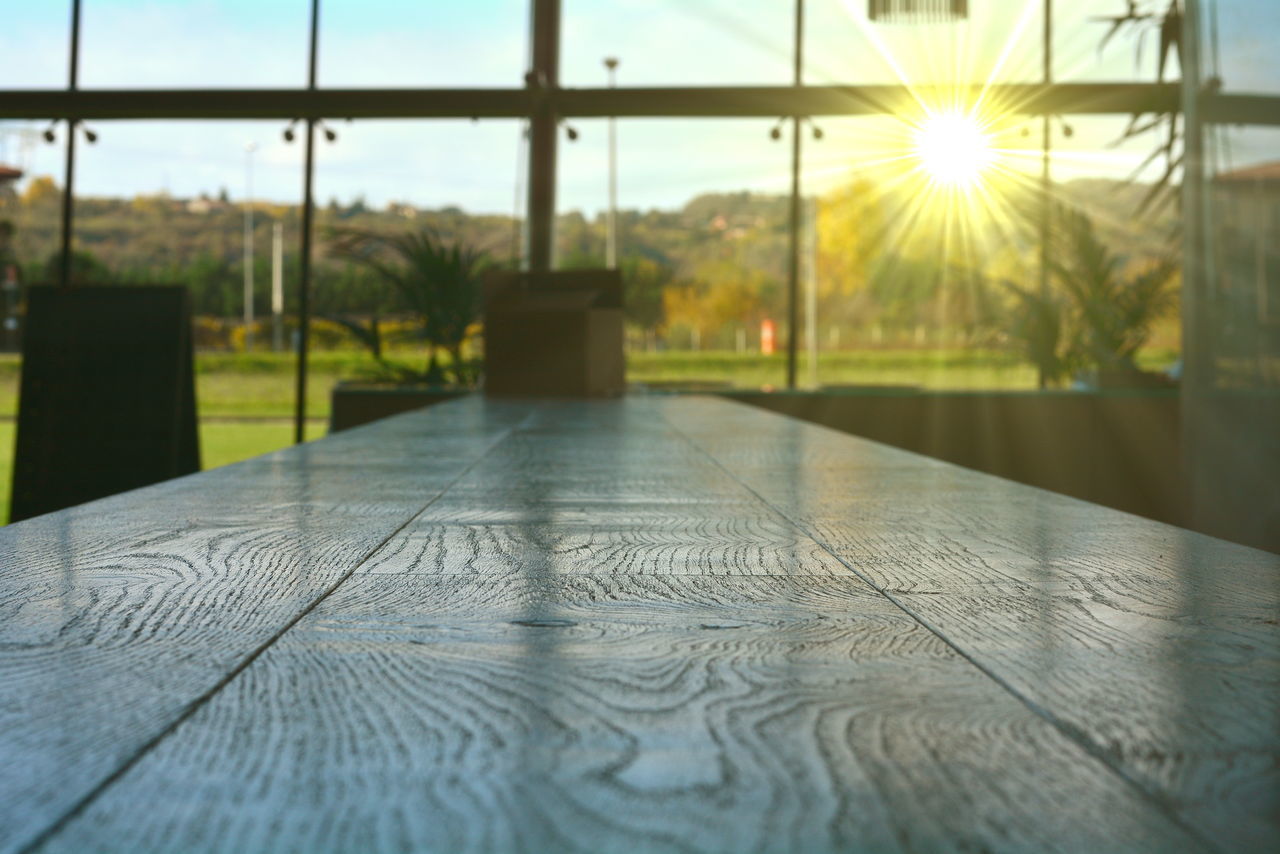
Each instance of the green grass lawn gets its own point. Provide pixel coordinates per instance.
(250, 396)
(225, 442)
(221, 443)
(937, 369)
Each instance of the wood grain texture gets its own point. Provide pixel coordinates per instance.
(643, 625)
(1158, 647)
(117, 615)
(616, 713)
(598, 639)
(600, 488)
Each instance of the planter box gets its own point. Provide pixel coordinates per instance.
(359, 403)
(554, 334)
(1115, 448)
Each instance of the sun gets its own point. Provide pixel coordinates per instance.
(954, 149)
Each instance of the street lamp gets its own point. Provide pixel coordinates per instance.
(249, 149)
(611, 235)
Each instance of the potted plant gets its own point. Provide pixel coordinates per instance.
(1113, 302)
(1092, 324)
(1039, 332)
(438, 281)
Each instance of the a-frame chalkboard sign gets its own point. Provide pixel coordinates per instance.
(107, 399)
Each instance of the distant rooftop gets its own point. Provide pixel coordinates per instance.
(1260, 173)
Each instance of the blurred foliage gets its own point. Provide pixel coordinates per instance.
(1115, 300)
(708, 271)
(438, 280)
(1101, 308)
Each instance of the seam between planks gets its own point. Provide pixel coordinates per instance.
(1158, 799)
(196, 704)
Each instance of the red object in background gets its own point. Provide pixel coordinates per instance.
(766, 337)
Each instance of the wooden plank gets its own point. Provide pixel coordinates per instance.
(1156, 647)
(569, 702)
(600, 487)
(616, 713)
(117, 616)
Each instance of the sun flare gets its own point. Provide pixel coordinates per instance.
(954, 149)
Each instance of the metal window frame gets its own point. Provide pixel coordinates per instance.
(543, 102)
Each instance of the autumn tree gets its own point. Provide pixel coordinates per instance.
(41, 192)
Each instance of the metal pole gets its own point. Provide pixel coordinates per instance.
(543, 78)
(811, 293)
(248, 245)
(1045, 178)
(1197, 375)
(611, 238)
(277, 286)
(68, 199)
(1209, 422)
(793, 266)
(304, 263)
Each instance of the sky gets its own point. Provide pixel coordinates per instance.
(475, 165)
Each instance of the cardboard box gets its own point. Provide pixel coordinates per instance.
(556, 334)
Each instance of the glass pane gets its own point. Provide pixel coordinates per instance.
(1244, 230)
(449, 185)
(997, 42)
(1239, 44)
(920, 274)
(374, 43)
(35, 42)
(31, 182)
(903, 272)
(702, 244)
(1099, 40)
(168, 203)
(677, 42)
(167, 44)
(1232, 389)
(31, 193)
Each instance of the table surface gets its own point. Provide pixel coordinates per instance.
(654, 624)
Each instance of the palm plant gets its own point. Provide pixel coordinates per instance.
(1039, 329)
(1114, 310)
(438, 280)
(1164, 18)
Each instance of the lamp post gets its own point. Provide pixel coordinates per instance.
(611, 238)
(248, 244)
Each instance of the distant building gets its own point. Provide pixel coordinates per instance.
(1246, 214)
(8, 177)
(1245, 303)
(205, 205)
(10, 274)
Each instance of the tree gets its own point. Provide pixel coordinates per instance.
(850, 230)
(644, 281)
(721, 295)
(41, 191)
(84, 269)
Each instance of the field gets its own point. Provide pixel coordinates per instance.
(246, 400)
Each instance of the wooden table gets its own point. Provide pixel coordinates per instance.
(658, 624)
